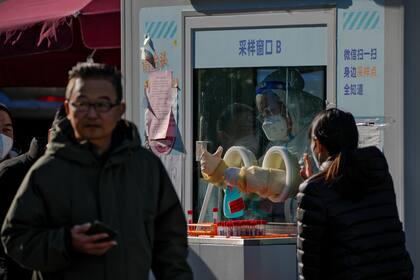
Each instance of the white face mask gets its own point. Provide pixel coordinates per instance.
(314, 156)
(6, 144)
(275, 128)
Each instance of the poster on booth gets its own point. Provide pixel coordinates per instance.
(160, 121)
(371, 135)
(160, 66)
(161, 61)
(360, 59)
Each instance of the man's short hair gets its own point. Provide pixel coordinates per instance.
(5, 109)
(89, 70)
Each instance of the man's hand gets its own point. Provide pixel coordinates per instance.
(89, 244)
(307, 170)
(209, 162)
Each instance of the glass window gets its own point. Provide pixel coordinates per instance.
(256, 108)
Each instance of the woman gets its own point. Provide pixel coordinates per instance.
(348, 224)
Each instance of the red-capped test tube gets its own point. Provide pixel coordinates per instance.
(190, 216)
(222, 226)
(190, 219)
(215, 214)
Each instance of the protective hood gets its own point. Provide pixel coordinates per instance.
(282, 78)
(287, 84)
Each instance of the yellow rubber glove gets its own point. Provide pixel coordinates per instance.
(213, 166)
(266, 182)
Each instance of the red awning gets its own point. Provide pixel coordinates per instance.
(100, 24)
(35, 26)
(41, 39)
(20, 14)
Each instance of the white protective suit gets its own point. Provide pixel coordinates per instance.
(285, 87)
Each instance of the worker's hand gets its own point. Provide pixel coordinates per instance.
(258, 181)
(306, 170)
(232, 176)
(209, 162)
(89, 244)
(266, 182)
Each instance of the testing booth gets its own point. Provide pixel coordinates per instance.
(204, 74)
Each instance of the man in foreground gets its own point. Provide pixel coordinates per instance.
(95, 169)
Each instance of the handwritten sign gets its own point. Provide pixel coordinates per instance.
(161, 96)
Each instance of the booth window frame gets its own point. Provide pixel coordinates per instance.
(194, 21)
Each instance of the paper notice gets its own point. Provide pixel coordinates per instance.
(161, 96)
(370, 135)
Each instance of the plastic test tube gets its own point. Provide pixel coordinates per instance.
(190, 219)
(223, 228)
(215, 214)
(190, 216)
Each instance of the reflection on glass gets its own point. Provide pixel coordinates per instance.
(256, 108)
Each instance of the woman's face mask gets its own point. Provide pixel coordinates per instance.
(314, 157)
(6, 144)
(275, 128)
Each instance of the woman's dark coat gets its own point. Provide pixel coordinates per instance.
(351, 229)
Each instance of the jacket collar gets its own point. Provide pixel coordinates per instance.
(326, 164)
(37, 147)
(63, 143)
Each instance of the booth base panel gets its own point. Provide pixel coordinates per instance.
(237, 262)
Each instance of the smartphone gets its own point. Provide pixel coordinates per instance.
(99, 227)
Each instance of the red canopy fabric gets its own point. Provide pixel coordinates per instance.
(50, 69)
(100, 24)
(41, 39)
(35, 26)
(101, 7)
(20, 14)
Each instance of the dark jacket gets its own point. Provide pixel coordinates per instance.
(128, 189)
(350, 229)
(12, 172)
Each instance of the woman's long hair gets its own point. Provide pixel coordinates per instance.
(336, 130)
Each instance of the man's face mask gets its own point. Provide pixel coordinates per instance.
(6, 144)
(275, 128)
